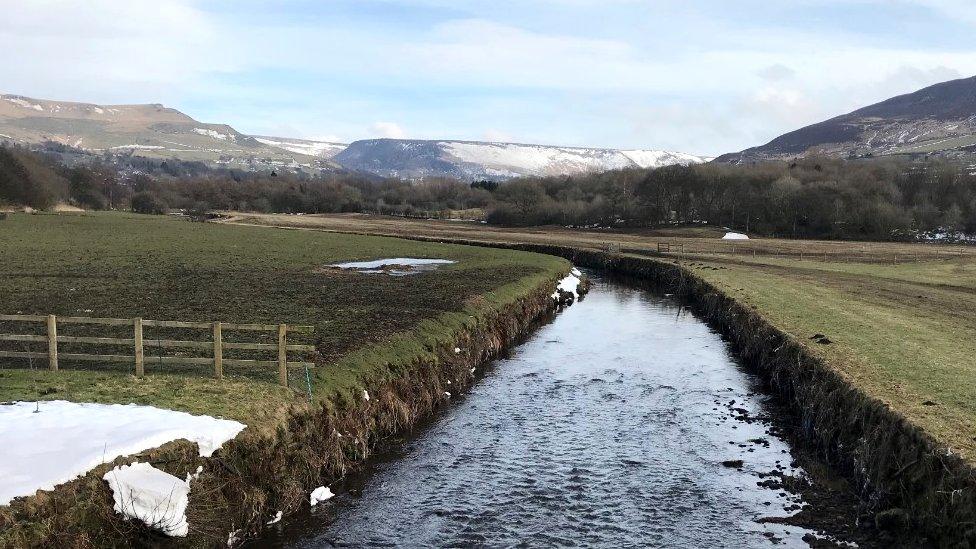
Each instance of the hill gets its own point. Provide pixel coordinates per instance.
(471, 160)
(939, 119)
(158, 132)
(150, 130)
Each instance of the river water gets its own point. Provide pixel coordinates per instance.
(608, 427)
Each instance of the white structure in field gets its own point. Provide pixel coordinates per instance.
(735, 236)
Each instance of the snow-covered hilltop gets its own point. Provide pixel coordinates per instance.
(308, 147)
(155, 131)
(470, 160)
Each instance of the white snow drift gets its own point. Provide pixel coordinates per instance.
(396, 266)
(155, 497)
(213, 133)
(321, 149)
(735, 236)
(67, 439)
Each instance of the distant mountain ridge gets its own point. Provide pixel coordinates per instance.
(471, 160)
(150, 130)
(939, 119)
(155, 131)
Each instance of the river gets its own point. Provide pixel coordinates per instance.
(618, 423)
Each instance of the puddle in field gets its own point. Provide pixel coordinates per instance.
(396, 266)
(623, 422)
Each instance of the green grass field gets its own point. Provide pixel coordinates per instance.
(124, 265)
(905, 333)
(901, 316)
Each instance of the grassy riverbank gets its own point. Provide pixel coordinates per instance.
(904, 333)
(122, 265)
(900, 318)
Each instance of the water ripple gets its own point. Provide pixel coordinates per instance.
(602, 430)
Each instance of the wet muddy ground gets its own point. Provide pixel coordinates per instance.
(625, 421)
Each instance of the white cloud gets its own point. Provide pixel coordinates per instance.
(391, 130)
(964, 10)
(102, 49)
(776, 73)
(732, 86)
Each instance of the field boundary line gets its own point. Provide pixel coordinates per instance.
(138, 342)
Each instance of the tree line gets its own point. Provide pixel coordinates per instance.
(810, 198)
(41, 180)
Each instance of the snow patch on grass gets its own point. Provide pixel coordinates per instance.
(324, 149)
(66, 439)
(24, 103)
(947, 235)
(142, 147)
(213, 133)
(155, 497)
(395, 266)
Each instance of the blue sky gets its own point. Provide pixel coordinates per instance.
(696, 76)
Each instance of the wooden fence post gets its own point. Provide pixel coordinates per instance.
(282, 355)
(52, 342)
(137, 343)
(218, 351)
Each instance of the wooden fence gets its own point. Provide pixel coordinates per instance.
(217, 345)
(668, 247)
